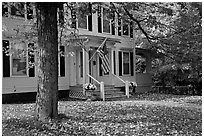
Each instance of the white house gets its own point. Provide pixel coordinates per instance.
(78, 65)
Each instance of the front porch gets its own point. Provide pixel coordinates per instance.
(85, 67)
(110, 92)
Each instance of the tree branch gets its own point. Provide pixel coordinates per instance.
(138, 23)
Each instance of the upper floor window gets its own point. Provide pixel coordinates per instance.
(106, 21)
(29, 10)
(19, 9)
(82, 21)
(85, 20)
(128, 28)
(125, 29)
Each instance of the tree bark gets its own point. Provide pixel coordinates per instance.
(47, 58)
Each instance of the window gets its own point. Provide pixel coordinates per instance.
(125, 29)
(106, 21)
(18, 9)
(85, 20)
(125, 63)
(82, 21)
(29, 8)
(18, 59)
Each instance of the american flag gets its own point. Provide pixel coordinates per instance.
(102, 52)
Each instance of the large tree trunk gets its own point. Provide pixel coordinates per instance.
(47, 93)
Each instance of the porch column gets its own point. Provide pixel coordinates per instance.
(84, 68)
(112, 67)
(134, 56)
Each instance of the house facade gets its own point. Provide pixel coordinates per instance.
(78, 65)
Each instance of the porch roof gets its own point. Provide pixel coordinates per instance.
(101, 38)
(96, 38)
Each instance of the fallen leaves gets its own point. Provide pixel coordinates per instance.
(115, 118)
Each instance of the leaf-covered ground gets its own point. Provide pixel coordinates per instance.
(146, 114)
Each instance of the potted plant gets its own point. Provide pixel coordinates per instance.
(132, 86)
(89, 89)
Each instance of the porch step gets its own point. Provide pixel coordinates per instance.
(110, 92)
(110, 98)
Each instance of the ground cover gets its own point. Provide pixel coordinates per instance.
(145, 114)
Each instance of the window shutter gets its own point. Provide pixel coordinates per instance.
(100, 68)
(119, 26)
(62, 61)
(90, 17)
(131, 64)
(6, 59)
(99, 19)
(114, 64)
(131, 29)
(73, 15)
(31, 59)
(120, 63)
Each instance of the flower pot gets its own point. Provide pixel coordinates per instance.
(89, 95)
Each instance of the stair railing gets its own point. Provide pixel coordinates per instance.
(102, 92)
(126, 85)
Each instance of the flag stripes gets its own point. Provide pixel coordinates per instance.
(105, 61)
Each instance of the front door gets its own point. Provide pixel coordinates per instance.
(79, 68)
(93, 65)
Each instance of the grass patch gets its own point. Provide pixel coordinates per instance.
(126, 117)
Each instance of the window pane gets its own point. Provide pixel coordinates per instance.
(106, 21)
(19, 67)
(18, 9)
(19, 60)
(82, 21)
(126, 63)
(125, 68)
(125, 29)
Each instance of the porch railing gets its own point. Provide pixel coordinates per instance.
(126, 85)
(102, 92)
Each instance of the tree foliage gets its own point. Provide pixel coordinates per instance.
(173, 29)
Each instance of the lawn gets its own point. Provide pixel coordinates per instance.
(147, 114)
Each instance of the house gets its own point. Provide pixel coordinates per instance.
(78, 65)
